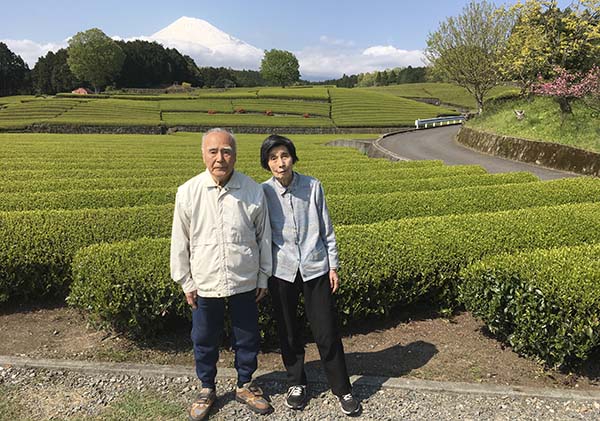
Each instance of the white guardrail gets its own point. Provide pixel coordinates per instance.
(425, 123)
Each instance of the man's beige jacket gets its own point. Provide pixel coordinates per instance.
(221, 237)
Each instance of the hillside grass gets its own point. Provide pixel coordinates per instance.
(542, 122)
(447, 93)
(363, 108)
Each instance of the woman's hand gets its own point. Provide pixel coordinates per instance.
(334, 280)
(261, 293)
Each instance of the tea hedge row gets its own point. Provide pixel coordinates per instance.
(80, 199)
(22, 182)
(543, 303)
(252, 170)
(283, 106)
(398, 262)
(223, 119)
(111, 112)
(368, 208)
(420, 184)
(37, 246)
(348, 162)
(347, 208)
(334, 187)
(382, 265)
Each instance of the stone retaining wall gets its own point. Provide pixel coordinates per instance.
(551, 155)
(81, 129)
(91, 129)
(290, 130)
(362, 145)
(371, 147)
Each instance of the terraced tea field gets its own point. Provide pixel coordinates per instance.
(310, 107)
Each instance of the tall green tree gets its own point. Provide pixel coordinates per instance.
(465, 49)
(51, 74)
(280, 67)
(14, 72)
(94, 57)
(546, 37)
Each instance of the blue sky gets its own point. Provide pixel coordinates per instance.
(311, 29)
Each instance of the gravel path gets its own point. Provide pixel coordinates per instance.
(59, 394)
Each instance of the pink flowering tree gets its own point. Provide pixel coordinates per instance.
(567, 87)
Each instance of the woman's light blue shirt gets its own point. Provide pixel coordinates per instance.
(303, 237)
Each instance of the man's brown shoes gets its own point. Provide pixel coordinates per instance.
(202, 404)
(252, 396)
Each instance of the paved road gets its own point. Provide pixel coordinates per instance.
(439, 143)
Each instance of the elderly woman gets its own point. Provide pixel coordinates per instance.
(305, 261)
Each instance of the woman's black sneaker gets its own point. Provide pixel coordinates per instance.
(296, 397)
(350, 406)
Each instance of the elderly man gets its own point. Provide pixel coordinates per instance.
(221, 251)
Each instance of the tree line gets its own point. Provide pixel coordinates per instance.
(95, 61)
(395, 76)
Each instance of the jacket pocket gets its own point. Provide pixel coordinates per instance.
(318, 254)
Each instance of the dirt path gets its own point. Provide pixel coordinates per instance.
(424, 346)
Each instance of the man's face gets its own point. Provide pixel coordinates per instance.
(218, 155)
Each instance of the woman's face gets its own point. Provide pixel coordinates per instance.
(281, 164)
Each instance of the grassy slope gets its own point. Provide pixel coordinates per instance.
(543, 122)
(445, 92)
(360, 107)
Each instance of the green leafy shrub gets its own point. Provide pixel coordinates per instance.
(423, 184)
(544, 303)
(369, 208)
(382, 265)
(109, 283)
(37, 246)
(397, 262)
(78, 199)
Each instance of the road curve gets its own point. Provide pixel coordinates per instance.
(439, 143)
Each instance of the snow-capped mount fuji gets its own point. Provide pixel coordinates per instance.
(208, 45)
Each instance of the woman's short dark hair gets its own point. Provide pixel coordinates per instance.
(273, 141)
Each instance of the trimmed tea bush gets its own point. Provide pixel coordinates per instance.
(382, 265)
(544, 303)
(421, 184)
(110, 285)
(369, 208)
(79, 199)
(397, 262)
(37, 246)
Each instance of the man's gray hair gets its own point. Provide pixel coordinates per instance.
(220, 130)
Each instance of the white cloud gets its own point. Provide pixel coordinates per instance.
(30, 51)
(323, 61)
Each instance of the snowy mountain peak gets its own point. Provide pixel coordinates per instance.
(196, 31)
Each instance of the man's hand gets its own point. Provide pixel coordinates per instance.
(261, 293)
(191, 297)
(334, 280)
